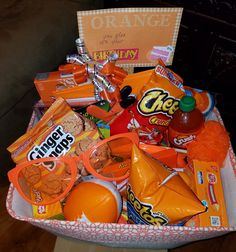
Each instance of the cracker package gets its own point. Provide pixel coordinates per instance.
(208, 186)
(157, 195)
(60, 131)
(157, 101)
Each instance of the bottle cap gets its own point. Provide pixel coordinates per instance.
(187, 103)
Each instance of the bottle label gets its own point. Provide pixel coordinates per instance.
(180, 140)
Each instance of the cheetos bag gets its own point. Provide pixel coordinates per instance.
(157, 195)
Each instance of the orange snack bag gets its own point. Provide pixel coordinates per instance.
(137, 80)
(157, 195)
(208, 187)
(52, 211)
(158, 99)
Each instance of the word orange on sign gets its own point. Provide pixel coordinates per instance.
(138, 35)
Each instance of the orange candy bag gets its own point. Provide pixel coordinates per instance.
(157, 195)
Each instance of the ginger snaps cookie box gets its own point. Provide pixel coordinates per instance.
(57, 133)
(60, 131)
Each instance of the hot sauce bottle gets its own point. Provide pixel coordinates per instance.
(186, 123)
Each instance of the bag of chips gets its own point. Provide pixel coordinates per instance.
(157, 195)
(157, 101)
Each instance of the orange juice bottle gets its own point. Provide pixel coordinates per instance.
(186, 123)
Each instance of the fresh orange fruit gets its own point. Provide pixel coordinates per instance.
(94, 200)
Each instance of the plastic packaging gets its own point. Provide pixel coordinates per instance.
(157, 195)
(186, 123)
(93, 200)
(205, 101)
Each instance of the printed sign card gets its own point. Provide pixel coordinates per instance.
(138, 35)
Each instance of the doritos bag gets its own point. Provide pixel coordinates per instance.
(157, 195)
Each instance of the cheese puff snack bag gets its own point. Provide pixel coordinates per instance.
(157, 101)
(157, 195)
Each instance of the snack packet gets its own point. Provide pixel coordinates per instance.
(208, 186)
(157, 195)
(52, 211)
(157, 102)
(137, 80)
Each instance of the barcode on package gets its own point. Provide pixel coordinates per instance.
(215, 221)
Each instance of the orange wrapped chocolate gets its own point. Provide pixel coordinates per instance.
(157, 195)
